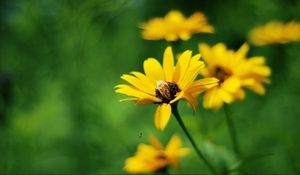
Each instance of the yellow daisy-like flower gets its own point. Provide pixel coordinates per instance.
(275, 33)
(175, 26)
(166, 84)
(154, 157)
(234, 72)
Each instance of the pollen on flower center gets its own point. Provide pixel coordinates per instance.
(221, 74)
(166, 91)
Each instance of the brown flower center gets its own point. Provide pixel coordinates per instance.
(221, 74)
(166, 91)
(161, 157)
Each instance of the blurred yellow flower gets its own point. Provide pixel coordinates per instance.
(154, 157)
(175, 26)
(166, 84)
(275, 33)
(234, 72)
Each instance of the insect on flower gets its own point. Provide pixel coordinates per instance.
(166, 84)
(166, 90)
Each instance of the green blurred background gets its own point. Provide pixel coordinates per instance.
(60, 61)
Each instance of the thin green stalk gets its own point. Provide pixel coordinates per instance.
(232, 131)
(199, 153)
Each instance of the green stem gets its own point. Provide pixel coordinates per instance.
(232, 131)
(199, 153)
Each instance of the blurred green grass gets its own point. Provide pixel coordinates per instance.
(61, 60)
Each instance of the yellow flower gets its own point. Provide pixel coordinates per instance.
(175, 26)
(234, 72)
(275, 33)
(154, 157)
(166, 84)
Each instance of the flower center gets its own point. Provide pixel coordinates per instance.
(221, 74)
(161, 157)
(166, 91)
(164, 163)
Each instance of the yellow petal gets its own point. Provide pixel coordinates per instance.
(208, 29)
(144, 78)
(248, 82)
(195, 91)
(206, 82)
(147, 159)
(201, 85)
(182, 152)
(155, 142)
(182, 65)
(191, 72)
(204, 72)
(135, 165)
(240, 94)
(146, 151)
(192, 100)
(242, 52)
(129, 99)
(257, 60)
(219, 50)
(258, 88)
(179, 95)
(266, 80)
(168, 64)
(213, 55)
(232, 84)
(173, 145)
(201, 21)
(137, 83)
(144, 101)
(153, 70)
(212, 99)
(262, 70)
(205, 51)
(131, 91)
(171, 37)
(174, 16)
(225, 96)
(185, 35)
(162, 116)
(143, 161)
